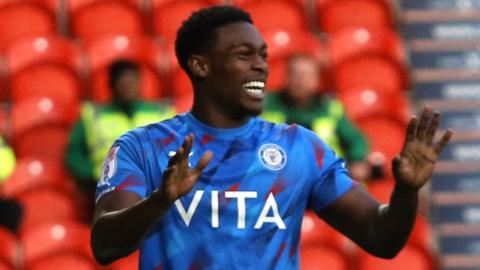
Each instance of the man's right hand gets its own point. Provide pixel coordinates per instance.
(179, 179)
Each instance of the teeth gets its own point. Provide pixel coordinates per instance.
(254, 84)
(255, 91)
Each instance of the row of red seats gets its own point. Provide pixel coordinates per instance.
(55, 66)
(88, 19)
(55, 244)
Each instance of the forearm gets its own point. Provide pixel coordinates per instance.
(394, 222)
(118, 233)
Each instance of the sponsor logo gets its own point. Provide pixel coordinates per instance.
(272, 156)
(269, 214)
(109, 166)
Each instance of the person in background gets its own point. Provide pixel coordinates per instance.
(101, 124)
(301, 102)
(10, 210)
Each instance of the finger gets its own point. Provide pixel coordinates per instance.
(444, 141)
(176, 158)
(203, 163)
(424, 121)
(411, 129)
(187, 145)
(433, 128)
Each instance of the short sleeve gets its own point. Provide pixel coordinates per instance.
(329, 176)
(122, 168)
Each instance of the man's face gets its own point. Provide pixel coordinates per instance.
(303, 79)
(127, 87)
(237, 69)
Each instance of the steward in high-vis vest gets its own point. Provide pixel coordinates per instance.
(324, 116)
(301, 102)
(7, 161)
(101, 124)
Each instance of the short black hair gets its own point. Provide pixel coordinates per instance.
(198, 32)
(118, 67)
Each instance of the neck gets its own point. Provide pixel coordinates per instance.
(215, 116)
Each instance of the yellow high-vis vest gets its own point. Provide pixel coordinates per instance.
(103, 128)
(325, 126)
(7, 160)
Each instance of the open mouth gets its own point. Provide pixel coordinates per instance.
(255, 88)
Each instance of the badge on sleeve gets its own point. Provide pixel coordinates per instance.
(109, 165)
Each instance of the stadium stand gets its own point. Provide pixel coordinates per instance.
(41, 120)
(34, 174)
(106, 49)
(90, 19)
(10, 250)
(47, 66)
(26, 18)
(56, 238)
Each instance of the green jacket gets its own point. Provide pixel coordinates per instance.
(99, 126)
(7, 160)
(326, 117)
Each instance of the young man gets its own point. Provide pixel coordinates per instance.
(234, 197)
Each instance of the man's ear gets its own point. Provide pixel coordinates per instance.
(198, 66)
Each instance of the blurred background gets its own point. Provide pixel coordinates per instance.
(382, 59)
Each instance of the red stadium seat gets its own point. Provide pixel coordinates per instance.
(268, 15)
(369, 71)
(354, 41)
(281, 45)
(90, 19)
(313, 256)
(387, 143)
(411, 258)
(315, 230)
(127, 263)
(365, 101)
(44, 67)
(10, 255)
(33, 174)
(42, 120)
(102, 52)
(168, 15)
(381, 189)
(46, 205)
(25, 18)
(56, 238)
(333, 15)
(64, 261)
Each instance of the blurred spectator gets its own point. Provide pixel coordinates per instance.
(10, 210)
(100, 124)
(301, 102)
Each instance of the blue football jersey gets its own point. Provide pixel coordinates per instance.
(246, 210)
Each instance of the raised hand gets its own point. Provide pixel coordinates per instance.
(413, 167)
(179, 179)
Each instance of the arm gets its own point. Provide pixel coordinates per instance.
(77, 157)
(115, 212)
(384, 230)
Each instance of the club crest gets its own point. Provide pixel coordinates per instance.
(272, 156)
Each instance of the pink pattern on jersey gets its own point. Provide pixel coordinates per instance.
(130, 181)
(206, 139)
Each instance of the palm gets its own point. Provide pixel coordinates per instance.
(414, 166)
(179, 179)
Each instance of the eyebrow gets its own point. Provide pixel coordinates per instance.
(250, 45)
